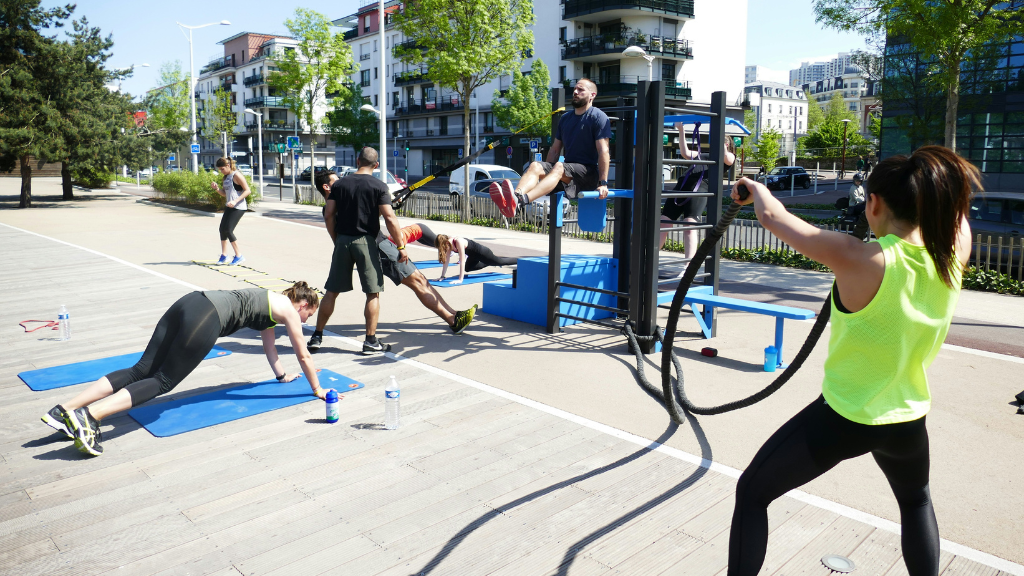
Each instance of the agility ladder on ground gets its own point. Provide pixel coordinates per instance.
(252, 276)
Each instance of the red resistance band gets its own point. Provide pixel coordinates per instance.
(48, 324)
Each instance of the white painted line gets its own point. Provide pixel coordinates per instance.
(840, 509)
(984, 353)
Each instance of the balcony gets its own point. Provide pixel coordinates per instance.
(407, 45)
(271, 125)
(363, 57)
(264, 102)
(610, 47)
(604, 10)
(226, 86)
(427, 106)
(351, 34)
(411, 77)
(254, 80)
(218, 64)
(626, 86)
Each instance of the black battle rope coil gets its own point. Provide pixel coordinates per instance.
(668, 393)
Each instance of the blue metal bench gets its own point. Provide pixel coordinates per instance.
(701, 295)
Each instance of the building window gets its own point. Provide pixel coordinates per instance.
(561, 73)
(366, 23)
(375, 100)
(375, 73)
(442, 126)
(365, 78)
(800, 125)
(853, 106)
(790, 109)
(561, 35)
(668, 72)
(374, 45)
(769, 111)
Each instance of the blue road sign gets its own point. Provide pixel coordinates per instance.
(293, 142)
(508, 151)
(536, 157)
(534, 144)
(395, 153)
(296, 156)
(195, 148)
(171, 158)
(460, 152)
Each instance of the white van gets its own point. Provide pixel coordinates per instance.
(479, 172)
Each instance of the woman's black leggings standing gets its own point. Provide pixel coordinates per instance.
(228, 222)
(812, 443)
(479, 256)
(184, 336)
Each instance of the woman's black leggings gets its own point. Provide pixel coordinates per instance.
(479, 256)
(228, 222)
(429, 237)
(183, 337)
(810, 444)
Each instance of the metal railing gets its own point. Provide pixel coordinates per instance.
(427, 106)
(627, 85)
(364, 57)
(616, 43)
(411, 77)
(575, 8)
(218, 64)
(254, 80)
(264, 101)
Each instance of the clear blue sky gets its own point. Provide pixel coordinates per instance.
(780, 34)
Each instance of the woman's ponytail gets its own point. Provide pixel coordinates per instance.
(932, 189)
(301, 291)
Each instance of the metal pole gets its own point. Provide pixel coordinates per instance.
(295, 191)
(817, 166)
(637, 253)
(383, 156)
(843, 165)
(554, 230)
(259, 139)
(652, 209)
(623, 207)
(192, 101)
(716, 142)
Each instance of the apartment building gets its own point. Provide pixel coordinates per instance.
(809, 73)
(248, 59)
(575, 39)
(852, 84)
(780, 107)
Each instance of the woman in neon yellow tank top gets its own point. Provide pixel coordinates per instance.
(892, 303)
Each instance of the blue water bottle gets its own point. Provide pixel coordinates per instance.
(332, 406)
(771, 359)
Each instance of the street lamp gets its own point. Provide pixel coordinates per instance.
(259, 132)
(846, 122)
(638, 52)
(192, 86)
(380, 157)
(383, 155)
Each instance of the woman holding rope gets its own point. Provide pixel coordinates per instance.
(183, 337)
(892, 303)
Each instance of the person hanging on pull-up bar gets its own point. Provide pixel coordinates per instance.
(582, 138)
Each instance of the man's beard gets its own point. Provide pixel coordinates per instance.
(579, 102)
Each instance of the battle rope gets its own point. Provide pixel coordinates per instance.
(669, 393)
(402, 195)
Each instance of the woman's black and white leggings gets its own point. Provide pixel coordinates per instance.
(228, 222)
(810, 444)
(183, 337)
(479, 256)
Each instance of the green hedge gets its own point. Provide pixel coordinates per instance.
(196, 188)
(991, 281)
(90, 177)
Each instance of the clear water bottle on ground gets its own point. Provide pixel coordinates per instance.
(63, 323)
(391, 401)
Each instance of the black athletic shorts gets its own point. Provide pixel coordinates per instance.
(680, 208)
(393, 269)
(584, 178)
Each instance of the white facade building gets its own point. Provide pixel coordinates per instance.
(813, 72)
(780, 107)
(852, 84)
(575, 39)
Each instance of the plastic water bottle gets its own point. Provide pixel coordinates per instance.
(64, 323)
(391, 410)
(771, 359)
(332, 406)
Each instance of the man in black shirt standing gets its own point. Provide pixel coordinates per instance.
(353, 216)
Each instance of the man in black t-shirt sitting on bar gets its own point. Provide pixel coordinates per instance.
(582, 138)
(352, 216)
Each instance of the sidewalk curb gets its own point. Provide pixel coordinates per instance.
(189, 210)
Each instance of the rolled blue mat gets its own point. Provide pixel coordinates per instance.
(88, 371)
(227, 404)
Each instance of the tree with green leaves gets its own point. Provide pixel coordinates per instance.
(815, 115)
(836, 108)
(169, 110)
(827, 139)
(350, 126)
(528, 101)
(766, 152)
(26, 118)
(315, 72)
(465, 44)
(947, 35)
(218, 117)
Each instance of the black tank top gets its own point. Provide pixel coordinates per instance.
(237, 309)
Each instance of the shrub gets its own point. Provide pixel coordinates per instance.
(991, 281)
(197, 188)
(91, 177)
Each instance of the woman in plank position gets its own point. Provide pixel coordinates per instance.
(234, 189)
(472, 255)
(183, 337)
(897, 300)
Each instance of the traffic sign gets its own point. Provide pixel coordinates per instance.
(508, 151)
(195, 148)
(534, 144)
(536, 157)
(395, 153)
(296, 156)
(170, 158)
(293, 142)
(281, 148)
(460, 152)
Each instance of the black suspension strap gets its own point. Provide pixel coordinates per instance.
(673, 396)
(402, 195)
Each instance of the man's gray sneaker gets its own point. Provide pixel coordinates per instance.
(314, 343)
(378, 347)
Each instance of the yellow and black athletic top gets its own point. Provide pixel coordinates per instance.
(877, 356)
(237, 309)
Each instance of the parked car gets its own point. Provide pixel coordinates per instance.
(997, 213)
(339, 170)
(780, 178)
(305, 174)
(245, 169)
(479, 172)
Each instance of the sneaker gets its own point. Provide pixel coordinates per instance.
(314, 343)
(237, 260)
(378, 347)
(55, 419)
(462, 319)
(505, 197)
(87, 431)
(223, 259)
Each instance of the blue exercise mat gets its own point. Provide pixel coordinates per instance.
(80, 372)
(427, 264)
(471, 279)
(195, 412)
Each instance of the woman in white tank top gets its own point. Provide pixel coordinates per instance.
(234, 189)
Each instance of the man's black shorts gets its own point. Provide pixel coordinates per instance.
(584, 178)
(393, 269)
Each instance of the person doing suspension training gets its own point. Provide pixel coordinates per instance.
(892, 303)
